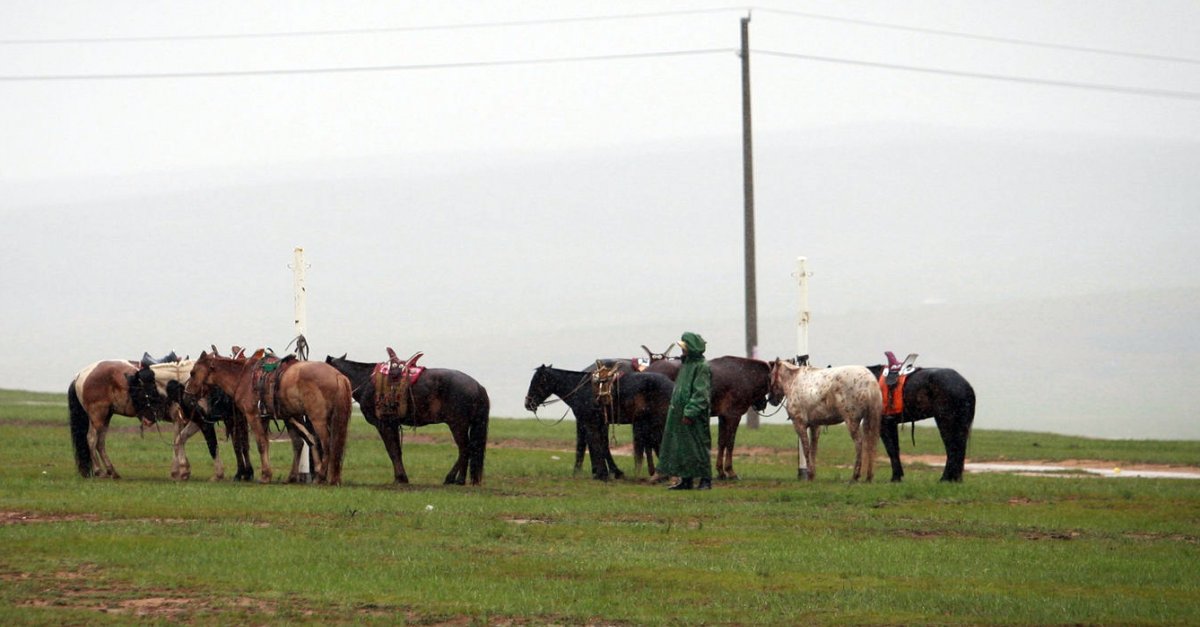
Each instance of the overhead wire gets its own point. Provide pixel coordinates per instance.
(368, 31)
(1139, 91)
(366, 68)
(978, 37)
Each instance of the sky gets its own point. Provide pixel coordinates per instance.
(1006, 188)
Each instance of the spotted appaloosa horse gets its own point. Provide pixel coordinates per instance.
(95, 394)
(824, 396)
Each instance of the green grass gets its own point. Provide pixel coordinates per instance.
(537, 545)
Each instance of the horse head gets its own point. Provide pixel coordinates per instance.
(781, 373)
(539, 388)
(197, 385)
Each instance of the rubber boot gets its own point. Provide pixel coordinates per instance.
(705, 484)
(684, 484)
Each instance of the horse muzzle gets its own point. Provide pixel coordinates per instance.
(530, 405)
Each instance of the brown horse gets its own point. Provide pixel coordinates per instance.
(306, 389)
(99, 391)
(815, 397)
(738, 383)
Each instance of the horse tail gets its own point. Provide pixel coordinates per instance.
(79, 432)
(339, 428)
(477, 432)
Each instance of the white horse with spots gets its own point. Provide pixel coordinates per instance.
(815, 397)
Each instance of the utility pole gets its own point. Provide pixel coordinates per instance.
(748, 190)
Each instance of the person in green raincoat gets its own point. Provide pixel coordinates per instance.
(686, 441)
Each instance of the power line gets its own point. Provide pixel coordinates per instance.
(366, 31)
(367, 68)
(1158, 93)
(963, 35)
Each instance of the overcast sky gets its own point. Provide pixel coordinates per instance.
(454, 196)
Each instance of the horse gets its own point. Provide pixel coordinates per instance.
(202, 415)
(947, 397)
(169, 377)
(815, 397)
(94, 395)
(305, 389)
(438, 395)
(639, 399)
(738, 384)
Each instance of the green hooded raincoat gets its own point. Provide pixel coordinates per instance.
(685, 448)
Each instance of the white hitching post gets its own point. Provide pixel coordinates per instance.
(802, 336)
(301, 323)
(805, 314)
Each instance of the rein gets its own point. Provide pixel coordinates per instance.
(562, 397)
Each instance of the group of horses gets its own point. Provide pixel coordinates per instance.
(313, 399)
(813, 397)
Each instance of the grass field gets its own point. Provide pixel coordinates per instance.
(537, 545)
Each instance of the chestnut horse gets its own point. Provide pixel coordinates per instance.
(439, 395)
(815, 397)
(944, 395)
(738, 384)
(95, 394)
(306, 389)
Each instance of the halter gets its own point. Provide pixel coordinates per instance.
(562, 397)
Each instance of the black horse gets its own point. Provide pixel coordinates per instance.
(945, 396)
(639, 399)
(439, 395)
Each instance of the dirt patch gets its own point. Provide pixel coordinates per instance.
(20, 518)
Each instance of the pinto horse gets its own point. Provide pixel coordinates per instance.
(202, 415)
(815, 397)
(639, 399)
(439, 395)
(947, 397)
(306, 389)
(95, 394)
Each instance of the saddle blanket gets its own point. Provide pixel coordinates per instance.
(413, 372)
(893, 396)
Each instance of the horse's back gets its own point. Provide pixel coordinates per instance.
(934, 388)
(98, 376)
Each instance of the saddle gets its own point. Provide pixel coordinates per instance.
(392, 380)
(148, 361)
(265, 380)
(604, 380)
(891, 382)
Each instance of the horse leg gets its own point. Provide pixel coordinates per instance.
(238, 431)
(889, 432)
(870, 439)
(264, 445)
(458, 472)
(806, 471)
(581, 442)
(815, 433)
(597, 441)
(727, 435)
(101, 465)
(210, 438)
(856, 434)
(181, 468)
(389, 431)
(954, 437)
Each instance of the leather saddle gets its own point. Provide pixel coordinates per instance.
(148, 360)
(392, 380)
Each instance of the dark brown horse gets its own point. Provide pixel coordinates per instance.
(439, 395)
(738, 383)
(306, 389)
(639, 399)
(939, 393)
(95, 394)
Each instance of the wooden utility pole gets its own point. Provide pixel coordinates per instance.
(748, 190)
(301, 321)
